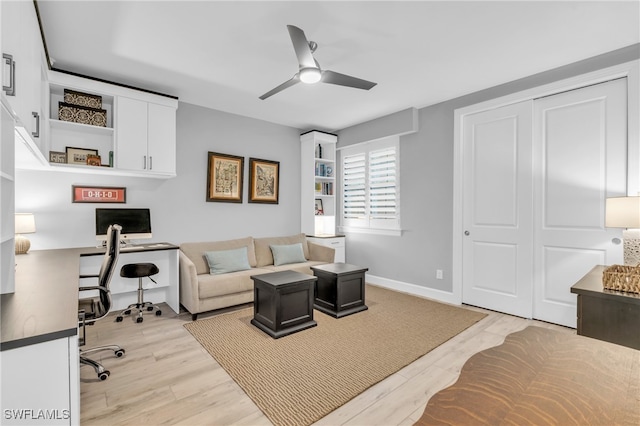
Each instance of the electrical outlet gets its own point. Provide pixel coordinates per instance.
(439, 274)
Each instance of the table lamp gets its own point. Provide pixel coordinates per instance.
(25, 224)
(624, 212)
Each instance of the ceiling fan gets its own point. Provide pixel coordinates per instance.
(310, 71)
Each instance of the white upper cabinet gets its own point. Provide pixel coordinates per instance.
(146, 136)
(137, 137)
(162, 138)
(23, 62)
(131, 134)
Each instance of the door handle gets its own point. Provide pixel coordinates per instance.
(10, 90)
(144, 162)
(150, 162)
(616, 241)
(467, 233)
(36, 134)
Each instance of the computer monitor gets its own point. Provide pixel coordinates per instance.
(136, 223)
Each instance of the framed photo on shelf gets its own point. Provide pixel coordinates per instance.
(319, 208)
(79, 155)
(224, 177)
(264, 178)
(57, 157)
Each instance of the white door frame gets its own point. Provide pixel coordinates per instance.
(630, 70)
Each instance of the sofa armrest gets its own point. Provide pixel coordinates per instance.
(188, 283)
(321, 253)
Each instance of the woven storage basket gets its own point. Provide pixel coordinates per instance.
(622, 278)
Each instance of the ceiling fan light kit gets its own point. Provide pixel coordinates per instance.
(309, 69)
(310, 75)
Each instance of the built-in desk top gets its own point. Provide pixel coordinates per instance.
(44, 305)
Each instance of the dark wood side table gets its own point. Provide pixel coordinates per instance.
(612, 316)
(339, 290)
(283, 302)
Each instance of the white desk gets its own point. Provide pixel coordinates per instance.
(39, 326)
(124, 290)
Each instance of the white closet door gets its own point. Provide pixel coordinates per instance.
(497, 203)
(580, 158)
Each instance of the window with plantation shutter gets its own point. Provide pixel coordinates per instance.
(370, 186)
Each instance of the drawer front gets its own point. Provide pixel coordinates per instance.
(329, 242)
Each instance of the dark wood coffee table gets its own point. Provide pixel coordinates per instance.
(339, 290)
(283, 302)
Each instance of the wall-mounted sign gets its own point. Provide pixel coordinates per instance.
(98, 194)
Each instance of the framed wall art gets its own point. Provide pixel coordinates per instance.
(264, 178)
(57, 157)
(224, 178)
(319, 211)
(79, 155)
(98, 194)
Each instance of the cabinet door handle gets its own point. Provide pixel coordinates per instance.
(10, 90)
(150, 162)
(144, 163)
(36, 134)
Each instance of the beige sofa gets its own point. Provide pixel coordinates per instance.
(201, 292)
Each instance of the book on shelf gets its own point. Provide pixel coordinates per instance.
(321, 169)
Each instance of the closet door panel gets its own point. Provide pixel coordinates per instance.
(497, 216)
(579, 160)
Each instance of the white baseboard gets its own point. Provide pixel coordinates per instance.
(417, 290)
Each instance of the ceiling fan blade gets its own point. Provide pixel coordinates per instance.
(301, 46)
(288, 83)
(332, 77)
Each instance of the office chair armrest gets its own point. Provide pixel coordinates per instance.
(89, 276)
(96, 287)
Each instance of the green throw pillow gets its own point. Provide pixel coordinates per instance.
(283, 255)
(223, 261)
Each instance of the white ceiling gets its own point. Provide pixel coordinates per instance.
(223, 55)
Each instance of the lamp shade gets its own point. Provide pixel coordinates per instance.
(622, 212)
(25, 223)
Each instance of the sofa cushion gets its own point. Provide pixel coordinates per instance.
(195, 251)
(225, 261)
(304, 267)
(285, 254)
(263, 250)
(223, 284)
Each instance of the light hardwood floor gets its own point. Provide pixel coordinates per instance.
(166, 377)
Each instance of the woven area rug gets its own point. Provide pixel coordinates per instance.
(298, 379)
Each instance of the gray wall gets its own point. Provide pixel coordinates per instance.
(179, 212)
(426, 186)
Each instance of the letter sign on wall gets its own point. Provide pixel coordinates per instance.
(98, 194)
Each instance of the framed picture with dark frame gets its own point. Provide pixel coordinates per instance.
(224, 178)
(264, 178)
(79, 155)
(319, 209)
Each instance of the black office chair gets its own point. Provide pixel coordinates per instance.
(95, 308)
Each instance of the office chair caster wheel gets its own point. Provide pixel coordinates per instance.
(149, 308)
(139, 319)
(127, 312)
(119, 353)
(118, 319)
(158, 312)
(104, 375)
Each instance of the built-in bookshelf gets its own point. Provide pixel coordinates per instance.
(318, 181)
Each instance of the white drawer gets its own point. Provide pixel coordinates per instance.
(334, 242)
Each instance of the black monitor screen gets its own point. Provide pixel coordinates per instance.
(135, 223)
